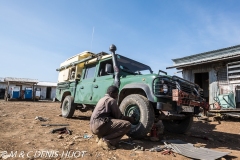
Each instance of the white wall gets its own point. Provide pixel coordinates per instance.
(44, 92)
(53, 92)
(3, 85)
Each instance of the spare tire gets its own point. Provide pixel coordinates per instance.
(142, 108)
(178, 126)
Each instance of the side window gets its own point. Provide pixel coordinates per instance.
(72, 73)
(90, 71)
(101, 71)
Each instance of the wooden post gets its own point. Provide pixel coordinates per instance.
(33, 93)
(6, 92)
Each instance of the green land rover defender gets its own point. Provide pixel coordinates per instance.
(84, 79)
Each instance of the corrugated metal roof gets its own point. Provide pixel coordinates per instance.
(211, 56)
(49, 84)
(13, 79)
(188, 150)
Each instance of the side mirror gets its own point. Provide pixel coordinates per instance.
(108, 69)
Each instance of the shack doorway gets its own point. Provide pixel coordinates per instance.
(48, 95)
(202, 79)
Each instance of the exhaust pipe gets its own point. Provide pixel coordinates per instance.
(113, 48)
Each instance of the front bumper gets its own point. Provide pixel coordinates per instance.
(183, 98)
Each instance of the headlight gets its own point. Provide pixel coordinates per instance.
(165, 88)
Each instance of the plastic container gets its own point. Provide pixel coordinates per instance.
(15, 92)
(28, 93)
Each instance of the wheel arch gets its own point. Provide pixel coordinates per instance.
(67, 93)
(136, 88)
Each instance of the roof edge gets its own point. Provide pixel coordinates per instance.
(202, 62)
(204, 53)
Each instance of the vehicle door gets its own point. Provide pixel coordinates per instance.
(84, 88)
(102, 81)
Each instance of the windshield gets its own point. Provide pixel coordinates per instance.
(132, 66)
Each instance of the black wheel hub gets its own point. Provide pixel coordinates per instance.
(133, 110)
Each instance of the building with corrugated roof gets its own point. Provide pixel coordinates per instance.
(44, 90)
(217, 71)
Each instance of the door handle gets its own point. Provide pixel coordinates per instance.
(81, 87)
(96, 86)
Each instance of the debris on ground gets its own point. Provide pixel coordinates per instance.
(63, 130)
(138, 148)
(155, 149)
(41, 119)
(86, 136)
(165, 150)
(168, 151)
(188, 150)
(60, 137)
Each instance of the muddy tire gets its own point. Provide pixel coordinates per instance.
(139, 105)
(178, 126)
(68, 107)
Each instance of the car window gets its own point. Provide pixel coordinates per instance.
(132, 66)
(90, 71)
(101, 71)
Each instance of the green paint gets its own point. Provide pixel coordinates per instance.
(90, 90)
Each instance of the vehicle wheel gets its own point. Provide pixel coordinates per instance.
(178, 126)
(140, 106)
(68, 107)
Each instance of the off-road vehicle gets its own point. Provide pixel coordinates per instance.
(84, 79)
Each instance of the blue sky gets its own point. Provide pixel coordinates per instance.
(36, 36)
